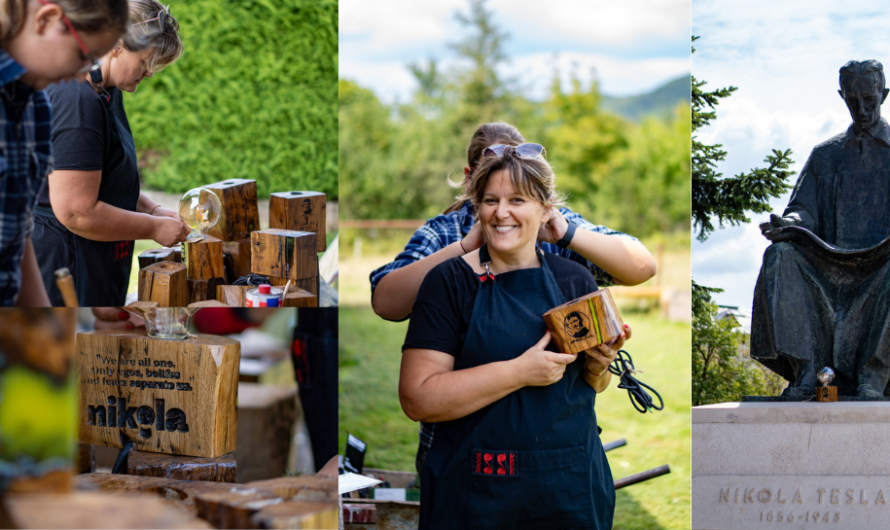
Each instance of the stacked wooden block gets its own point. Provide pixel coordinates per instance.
(235, 247)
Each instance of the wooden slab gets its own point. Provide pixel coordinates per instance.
(299, 298)
(585, 322)
(164, 282)
(236, 259)
(204, 258)
(297, 514)
(96, 510)
(170, 396)
(239, 216)
(303, 211)
(231, 295)
(266, 418)
(182, 491)
(306, 284)
(208, 303)
(284, 253)
(219, 469)
(160, 254)
(201, 290)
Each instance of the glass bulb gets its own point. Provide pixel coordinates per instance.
(200, 209)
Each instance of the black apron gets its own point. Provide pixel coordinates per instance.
(101, 269)
(532, 459)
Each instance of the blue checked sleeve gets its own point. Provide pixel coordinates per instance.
(426, 241)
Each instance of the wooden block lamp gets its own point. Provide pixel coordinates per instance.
(239, 214)
(585, 322)
(164, 282)
(303, 211)
(284, 254)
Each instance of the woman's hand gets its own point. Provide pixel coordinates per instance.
(160, 211)
(553, 230)
(168, 232)
(540, 367)
(114, 318)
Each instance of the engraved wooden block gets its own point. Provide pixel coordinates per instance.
(201, 290)
(299, 298)
(239, 216)
(231, 295)
(204, 258)
(167, 396)
(164, 282)
(585, 322)
(826, 394)
(219, 469)
(284, 253)
(306, 284)
(236, 259)
(303, 211)
(160, 254)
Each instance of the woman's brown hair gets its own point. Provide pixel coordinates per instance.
(486, 135)
(89, 16)
(166, 45)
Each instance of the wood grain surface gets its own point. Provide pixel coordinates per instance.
(299, 298)
(283, 253)
(219, 469)
(164, 282)
(204, 258)
(585, 322)
(160, 254)
(306, 284)
(201, 290)
(303, 211)
(236, 259)
(239, 216)
(167, 396)
(266, 418)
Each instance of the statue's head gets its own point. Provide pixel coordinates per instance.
(863, 90)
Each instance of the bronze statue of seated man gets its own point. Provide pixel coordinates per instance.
(823, 294)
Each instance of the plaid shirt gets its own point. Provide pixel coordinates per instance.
(445, 229)
(25, 161)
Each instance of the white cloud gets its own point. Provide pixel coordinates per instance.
(784, 57)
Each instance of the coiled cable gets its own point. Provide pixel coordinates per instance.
(623, 367)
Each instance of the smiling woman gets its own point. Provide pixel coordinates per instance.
(475, 360)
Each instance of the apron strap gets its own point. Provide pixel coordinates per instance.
(485, 259)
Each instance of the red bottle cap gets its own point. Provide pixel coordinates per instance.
(265, 288)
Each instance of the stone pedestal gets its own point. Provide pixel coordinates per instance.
(792, 465)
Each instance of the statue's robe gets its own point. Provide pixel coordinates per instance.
(815, 304)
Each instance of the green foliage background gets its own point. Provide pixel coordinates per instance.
(396, 160)
(253, 96)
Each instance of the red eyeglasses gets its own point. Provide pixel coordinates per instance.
(93, 62)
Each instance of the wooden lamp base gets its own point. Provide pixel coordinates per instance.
(826, 394)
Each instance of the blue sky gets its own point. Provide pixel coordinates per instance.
(784, 57)
(635, 46)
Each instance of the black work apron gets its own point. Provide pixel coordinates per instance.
(101, 269)
(532, 459)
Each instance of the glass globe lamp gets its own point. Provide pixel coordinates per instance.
(200, 209)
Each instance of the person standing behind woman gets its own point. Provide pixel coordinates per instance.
(41, 42)
(93, 208)
(611, 256)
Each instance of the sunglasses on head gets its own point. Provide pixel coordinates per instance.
(93, 62)
(161, 17)
(527, 150)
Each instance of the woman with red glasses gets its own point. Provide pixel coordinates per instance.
(93, 209)
(41, 42)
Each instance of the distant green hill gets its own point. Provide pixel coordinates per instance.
(660, 101)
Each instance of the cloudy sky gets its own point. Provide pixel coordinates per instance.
(784, 57)
(635, 46)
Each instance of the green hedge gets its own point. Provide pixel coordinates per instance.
(253, 96)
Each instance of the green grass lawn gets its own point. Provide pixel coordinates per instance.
(369, 408)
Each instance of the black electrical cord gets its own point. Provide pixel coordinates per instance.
(121, 462)
(623, 367)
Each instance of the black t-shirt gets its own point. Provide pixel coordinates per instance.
(91, 133)
(441, 315)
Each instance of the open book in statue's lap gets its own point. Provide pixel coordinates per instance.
(823, 294)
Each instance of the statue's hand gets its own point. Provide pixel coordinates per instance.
(771, 230)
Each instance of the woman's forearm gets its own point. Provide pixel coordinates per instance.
(103, 222)
(626, 260)
(449, 395)
(598, 382)
(145, 204)
(394, 296)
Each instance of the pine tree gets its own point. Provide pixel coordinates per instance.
(718, 373)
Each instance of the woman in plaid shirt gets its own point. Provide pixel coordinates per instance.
(41, 42)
